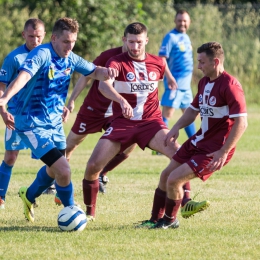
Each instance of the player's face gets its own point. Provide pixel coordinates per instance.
(64, 43)
(32, 37)
(207, 65)
(135, 44)
(182, 22)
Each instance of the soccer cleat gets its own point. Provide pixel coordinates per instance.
(58, 202)
(90, 218)
(103, 180)
(192, 207)
(50, 191)
(156, 153)
(165, 224)
(35, 204)
(27, 205)
(147, 224)
(2, 204)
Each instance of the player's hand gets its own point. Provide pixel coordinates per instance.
(127, 110)
(110, 73)
(8, 120)
(65, 114)
(71, 106)
(172, 84)
(172, 137)
(218, 160)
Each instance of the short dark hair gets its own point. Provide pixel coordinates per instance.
(135, 28)
(34, 23)
(181, 11)
(65, 24)
(212, 50)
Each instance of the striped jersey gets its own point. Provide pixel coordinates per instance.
(219, 102)
(177, 49)
(9, 71)
(137, 82)
(41, 105)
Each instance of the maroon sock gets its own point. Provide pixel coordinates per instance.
(186, 197)
(171, 209)
(158, 204)
(113, 163)
(90, 192)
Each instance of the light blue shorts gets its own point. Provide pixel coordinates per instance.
(13, 141)
(180, 98)
(41, 140)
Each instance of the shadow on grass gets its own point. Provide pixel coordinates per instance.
(30, 229)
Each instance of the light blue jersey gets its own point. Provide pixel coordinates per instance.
(177, 49)
(41, 105)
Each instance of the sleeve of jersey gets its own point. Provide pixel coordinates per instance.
(34, 60)
(195, 103)
(7, 71)
(235, 99)
(166, 46)
(84, 67)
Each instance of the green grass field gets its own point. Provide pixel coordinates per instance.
(228, 229)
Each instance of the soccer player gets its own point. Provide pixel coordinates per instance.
(176, 50)
(96, 114)
(46, 72)
(33, 34)
(136, 112)
(220, 101)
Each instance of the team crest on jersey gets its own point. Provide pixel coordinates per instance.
(152, 75)
(212, 101)
(130, 76)
(29, 62)
(67, 71)
(3, 72)
(200, 98)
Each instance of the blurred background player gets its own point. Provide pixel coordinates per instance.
(33, 34)
(40, 108)
(176, 49)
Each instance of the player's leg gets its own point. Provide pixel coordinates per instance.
(104, 151)
(118, 159)
(73, 141)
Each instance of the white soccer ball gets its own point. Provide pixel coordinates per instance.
(72, 218)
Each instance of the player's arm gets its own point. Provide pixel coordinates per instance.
(220, 156)
(102, 73)
(186, 119)
(107, 89)
(15, 86)
(80, 85)
(172, 84)
(7, 117)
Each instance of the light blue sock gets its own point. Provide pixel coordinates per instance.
(41, 183)
(5, 176)
(190, 130)
(166, 121)
(66, 194)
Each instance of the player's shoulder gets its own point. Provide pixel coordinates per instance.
(230, 80)
(19, 50)
(111, 52)
(153, 58)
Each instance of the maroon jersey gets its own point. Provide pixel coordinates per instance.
(138, 84)
(218, 101)
(95, 101)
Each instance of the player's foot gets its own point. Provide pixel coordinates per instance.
(2, 204)
(165, 225)
(50, 191)
(27, 205)
(147, 224)
(103, 180)
(90, 218)
(58, 202)
(192, 207)
(35, 204)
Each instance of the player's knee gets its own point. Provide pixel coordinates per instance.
(10, 157)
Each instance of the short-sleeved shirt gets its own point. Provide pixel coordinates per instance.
(41, 105)
(176, 47)
(94, 100)
(219, 102)
(138, 84)
(9, 71)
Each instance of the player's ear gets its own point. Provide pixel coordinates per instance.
(23, 34)
(124, 39)
(216, 61)
(147, 40)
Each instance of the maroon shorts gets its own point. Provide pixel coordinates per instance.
(128, 132)
(197, 159)
(89, 123)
